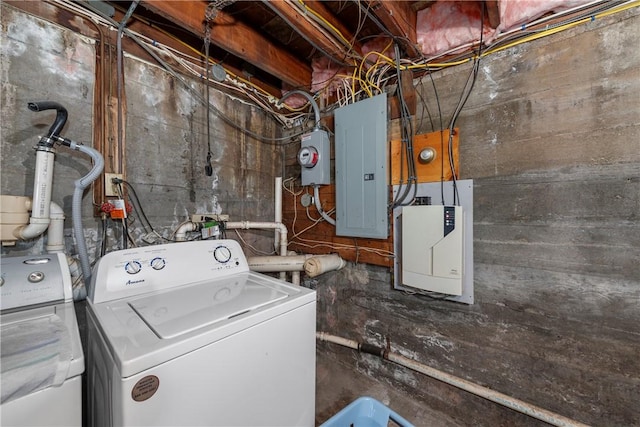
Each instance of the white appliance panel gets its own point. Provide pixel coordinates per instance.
(186, 309)
(36, 289)
(230, 348)
(243, 380)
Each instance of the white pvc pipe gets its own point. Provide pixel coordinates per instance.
(277, 263)
(494, 396)
(55, 233)
(181, 232)
(278, 216)
(295, 278)
(40, 205)
(320, 264)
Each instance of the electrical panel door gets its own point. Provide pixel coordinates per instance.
(361, 169)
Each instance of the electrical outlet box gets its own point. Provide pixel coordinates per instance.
(111, 189)
(209, 217)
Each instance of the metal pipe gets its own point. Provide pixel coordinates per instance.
(492, 395)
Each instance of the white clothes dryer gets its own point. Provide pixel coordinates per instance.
(184, 334)
(42, 359)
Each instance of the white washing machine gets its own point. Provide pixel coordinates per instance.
(184, 334)
(42, 359)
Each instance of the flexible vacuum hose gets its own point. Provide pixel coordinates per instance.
(61, 117)
(76, 212)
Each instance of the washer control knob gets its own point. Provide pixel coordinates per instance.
(222, 254)
(158, 263)
(133, 267)
(1, 281)
(35, 277)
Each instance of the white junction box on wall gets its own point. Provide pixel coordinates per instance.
(432, 248)
(433, 242)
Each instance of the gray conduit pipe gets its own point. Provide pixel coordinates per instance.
(76, 212)
(323, 214)
(494, 396)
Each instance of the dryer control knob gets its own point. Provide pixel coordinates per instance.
(158, 263)
(133, 267)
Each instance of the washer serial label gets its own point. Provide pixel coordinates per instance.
(145, 388)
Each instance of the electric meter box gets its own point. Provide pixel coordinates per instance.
(315, 158)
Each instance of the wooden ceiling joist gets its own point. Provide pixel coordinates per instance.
(237, 38)
(400, 19)
(293, 16)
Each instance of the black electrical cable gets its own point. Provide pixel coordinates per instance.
(103, 245)
(407, 144)
(133, 196)
(466, 92)
(208, 169)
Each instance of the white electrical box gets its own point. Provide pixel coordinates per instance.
(433, 248)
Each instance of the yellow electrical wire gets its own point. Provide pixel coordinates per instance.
(328, 24)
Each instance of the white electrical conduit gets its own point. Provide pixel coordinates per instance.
(494, 396)
(316, 198)
(41, 202)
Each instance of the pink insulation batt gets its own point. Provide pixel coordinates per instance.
(450, 24)
(514, 13)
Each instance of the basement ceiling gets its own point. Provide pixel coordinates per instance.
(276, 42)
(286, 44)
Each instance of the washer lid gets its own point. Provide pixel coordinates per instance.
(182, 310)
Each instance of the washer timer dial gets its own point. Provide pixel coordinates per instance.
(133, 267)
(222, 254)
(158, 263)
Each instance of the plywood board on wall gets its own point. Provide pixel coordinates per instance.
(436, 170)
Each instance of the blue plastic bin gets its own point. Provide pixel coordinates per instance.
(365, 412)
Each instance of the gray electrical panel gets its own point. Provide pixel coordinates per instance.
(361, 169)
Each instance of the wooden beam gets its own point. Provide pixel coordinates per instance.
(155, 34)
(237, 38)
(322, 10)
(400, 19)
(329, 46)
